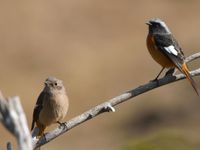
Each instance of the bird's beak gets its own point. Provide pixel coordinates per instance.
(148, 23)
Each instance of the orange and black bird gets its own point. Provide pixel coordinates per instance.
(165, 50)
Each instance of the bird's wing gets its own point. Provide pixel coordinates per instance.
(37, 109)
(170, 47)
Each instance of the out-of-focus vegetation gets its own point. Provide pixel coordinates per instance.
(162, 141)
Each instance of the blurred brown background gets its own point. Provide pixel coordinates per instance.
(97, 47)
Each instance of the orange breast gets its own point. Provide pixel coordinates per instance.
(157, 55)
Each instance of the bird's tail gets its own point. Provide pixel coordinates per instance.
(185, 70)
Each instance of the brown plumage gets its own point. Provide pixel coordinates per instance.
(51, 106)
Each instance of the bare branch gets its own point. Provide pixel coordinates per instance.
(13, 118)
(192, 57)
(108, 105)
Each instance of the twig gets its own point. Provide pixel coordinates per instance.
(108, 105)
(192, 57)
(13, 118)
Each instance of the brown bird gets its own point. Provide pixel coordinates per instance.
(51, 106)
(166, 51)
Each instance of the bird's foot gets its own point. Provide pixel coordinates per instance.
(170, 72)
(154, 80)
(62, 125)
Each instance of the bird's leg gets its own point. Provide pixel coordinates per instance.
(158, 75)
(170, 72)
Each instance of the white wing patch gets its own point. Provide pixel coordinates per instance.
(171, 49)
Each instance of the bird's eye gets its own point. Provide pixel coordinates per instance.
(56, 84)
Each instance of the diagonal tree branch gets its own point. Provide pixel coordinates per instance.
(108, 105)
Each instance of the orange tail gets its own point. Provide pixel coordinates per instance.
(188, 76)
(41, 128)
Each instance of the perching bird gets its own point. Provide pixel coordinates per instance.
(51, 106)
(165, 50)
